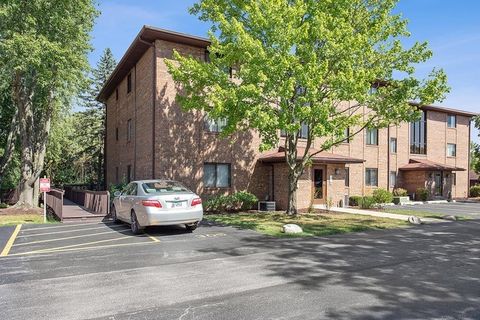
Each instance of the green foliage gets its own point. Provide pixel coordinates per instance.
(295, 61)
(367, 202)
(242, 200)
(3, 205)
(117, 187)
(400, 192)
(422, 194)
(382, 196)
(475, 191)
(355, 200)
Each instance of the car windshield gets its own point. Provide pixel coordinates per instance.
(156, 187)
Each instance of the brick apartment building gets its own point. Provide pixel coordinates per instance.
(149, 136)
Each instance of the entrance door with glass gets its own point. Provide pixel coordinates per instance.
(319, 186)
(438, 183)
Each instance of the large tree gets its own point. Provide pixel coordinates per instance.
(295, 61)
(93, 117)
(43, 55)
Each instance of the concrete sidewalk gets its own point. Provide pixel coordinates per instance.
(378, 214)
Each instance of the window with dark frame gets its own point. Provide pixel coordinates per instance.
(393, 145)
(116, 134)
(129, 130)
(451, 149)
(371, 177)
(418, 135)
(346, 135)
(129, 83)
(372, 137)
(347, 177)
(302, 133)
(452, 121)
(217, 175)
(393, 179)
(129, 173)
(454, 179)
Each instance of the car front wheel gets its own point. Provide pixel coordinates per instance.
(136, 228)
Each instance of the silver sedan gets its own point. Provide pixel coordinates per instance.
(157, 203)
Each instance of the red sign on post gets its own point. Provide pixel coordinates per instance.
(44, 185)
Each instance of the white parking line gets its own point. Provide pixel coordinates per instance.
(62, 226)
(68, 231)
(67, 238)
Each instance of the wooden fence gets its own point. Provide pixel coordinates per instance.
(97, 202)
(55, 201)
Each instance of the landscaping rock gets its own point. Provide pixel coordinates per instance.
(414, 220)
(292, 228)
(452, 218)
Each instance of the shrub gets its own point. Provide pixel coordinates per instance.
(400, 192)
(242, 200)
(354, 200)
(475, 191)
(366, 202)
(382, 196)
(3, 206)
(116, 187)
(422, 194)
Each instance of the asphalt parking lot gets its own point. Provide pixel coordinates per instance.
(102, 271)
(467, 209)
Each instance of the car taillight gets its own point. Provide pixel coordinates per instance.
(196, 201)
(151, 203)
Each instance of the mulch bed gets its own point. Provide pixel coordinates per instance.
(18, 211)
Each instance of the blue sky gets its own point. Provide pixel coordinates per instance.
(452, 29)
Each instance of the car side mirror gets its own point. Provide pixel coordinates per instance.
(117, 193)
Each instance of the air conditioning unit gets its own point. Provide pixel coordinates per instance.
(266, 206)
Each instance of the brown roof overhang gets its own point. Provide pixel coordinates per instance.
(144, 40)
(277, 156)
(427, 165)
(445, 110)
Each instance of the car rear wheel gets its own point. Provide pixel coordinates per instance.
(114, 215)
(134, 225)
(191, 227)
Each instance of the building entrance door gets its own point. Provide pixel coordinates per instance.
(319, 186)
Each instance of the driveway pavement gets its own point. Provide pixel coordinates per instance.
(468, 209)
(426, 272)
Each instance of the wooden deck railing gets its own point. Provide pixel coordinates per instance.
(55, 201)
(97, 202)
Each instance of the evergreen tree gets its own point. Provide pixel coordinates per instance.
(92, 121)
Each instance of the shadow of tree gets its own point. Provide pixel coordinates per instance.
(414, 273)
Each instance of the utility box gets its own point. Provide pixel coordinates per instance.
(266, 206)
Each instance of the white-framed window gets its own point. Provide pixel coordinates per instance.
(393, 179)
(217, 175)
(372, 136)
(371, 177)
(451, 149)
(452, 121)
(393, 145)
(215, 125)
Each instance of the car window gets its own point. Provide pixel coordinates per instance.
(161, 186)
(130, 190)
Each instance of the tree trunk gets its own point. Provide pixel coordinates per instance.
(292, 194)
(10, 145)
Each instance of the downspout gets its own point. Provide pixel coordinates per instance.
(468, 161)
(135, 124)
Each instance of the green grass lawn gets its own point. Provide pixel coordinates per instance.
(424, 214)
(12, 216)
(312, 224)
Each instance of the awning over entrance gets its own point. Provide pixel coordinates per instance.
(427, 165)
(322, 157)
